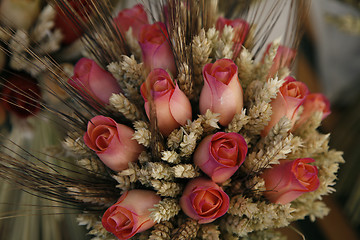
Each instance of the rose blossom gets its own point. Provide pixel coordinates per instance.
(288, 100)
(3, 114)
(21, 95)
(130, 214)
(93, 82)
(112, 142)
(134, 17)
(71, 31)
(203, 200)
(283, 58)
(222, 92)
(155, 47)
(220, 155)
(241, 29)
(290, 179)
(173, 108)
(314, 102)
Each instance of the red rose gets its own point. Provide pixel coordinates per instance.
(112, 142)
(69, 29)
(173, 108)
(220, 155)
(203, 200)
(155, 47)
(314, 102)
(241, 29)
(21, 95)
(93, 81)
(287, 102)
(291, 178)
(222, 92)
(134, 17)
(130, 214)
(283, 58)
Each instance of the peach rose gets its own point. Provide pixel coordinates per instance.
(134, 17)
(112, 142)
(155, 47)
(220, 155)
(21, 95)
(290, 97)
(241, 28)
(203, 200)
(284, 58)
(130, 214)
(222, 92)
(288, 180)
(173, 108)
(93, 82)
(314, 102)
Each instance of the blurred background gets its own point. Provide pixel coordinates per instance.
(329, 62)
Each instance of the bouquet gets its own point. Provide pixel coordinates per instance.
(184, 124)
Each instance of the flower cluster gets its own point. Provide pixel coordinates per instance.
(217, 157)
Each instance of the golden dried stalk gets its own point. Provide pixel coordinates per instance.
(209, 232)
(170, 157)
(162, 231)
(185, 171)
(121, 104)
(166, 189)
(165, 210)
(187, 230)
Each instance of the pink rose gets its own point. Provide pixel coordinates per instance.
(156, 49)
(222, 92)
(284, 58)
(290, 97)
(220, 155)
(130, 214)
(93, 82)
(203, 200)
(112, 142)
(241, 28)
(314, 102)
(173, 108)
(134, 17)
(288, 180)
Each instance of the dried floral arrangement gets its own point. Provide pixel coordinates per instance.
(179, 130)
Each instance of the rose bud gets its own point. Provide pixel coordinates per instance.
(134, 17)
(155, 47)
(93, 82)
(220, 155)
(21, 95)
(290, 97)
(70, 30)
(130, 214)
(222, 92)
(288, 180)
(19, 14)
(283, 58)
(314, 102)
(203, 200)
(173, 108)
(241, 29)
(112, 142)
